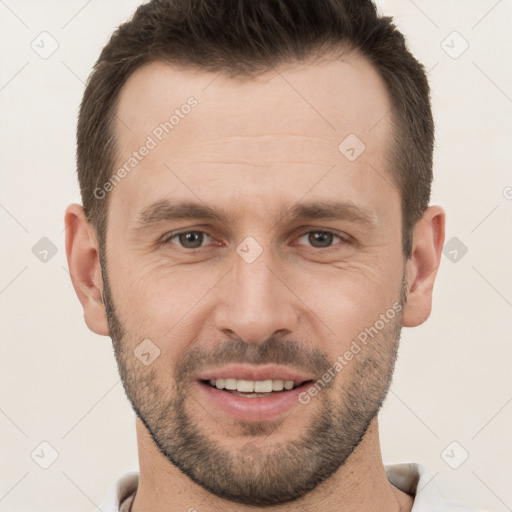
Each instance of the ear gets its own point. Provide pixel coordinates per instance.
(427, 246)
(84, 267)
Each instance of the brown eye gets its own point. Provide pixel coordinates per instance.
(188, 239)
(320, 239)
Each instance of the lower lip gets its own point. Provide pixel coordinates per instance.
(255, 408)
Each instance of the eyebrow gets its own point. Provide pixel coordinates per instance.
(166, 210)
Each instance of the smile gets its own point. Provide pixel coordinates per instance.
(253, 388)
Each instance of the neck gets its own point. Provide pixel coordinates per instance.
(360, 484)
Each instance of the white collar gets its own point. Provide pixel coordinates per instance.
(416, 480)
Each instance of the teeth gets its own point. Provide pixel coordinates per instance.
(288, 384)
(277, 385)
(246, 386)
(230, 384)
(263, 386)
(251, 386)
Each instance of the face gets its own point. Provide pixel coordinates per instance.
(246, 251)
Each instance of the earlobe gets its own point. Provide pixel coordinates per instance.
(427, 246)
(84, 268)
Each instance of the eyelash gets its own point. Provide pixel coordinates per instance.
(167, 239)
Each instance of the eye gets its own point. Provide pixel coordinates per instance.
(187, 239)
(321, 239)
(194, 239)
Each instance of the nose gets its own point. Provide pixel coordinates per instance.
(255, 301)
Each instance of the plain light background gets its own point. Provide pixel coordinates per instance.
(59, 381)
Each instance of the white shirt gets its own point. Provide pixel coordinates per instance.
(413, 479)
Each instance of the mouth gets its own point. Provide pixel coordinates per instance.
(252, 393)
(254, 388)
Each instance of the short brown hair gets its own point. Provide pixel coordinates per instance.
(246, 37)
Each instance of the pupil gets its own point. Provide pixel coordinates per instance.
(185, 238)
(320, 237)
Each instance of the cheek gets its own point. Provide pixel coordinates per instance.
(155, 299)
(346, 300)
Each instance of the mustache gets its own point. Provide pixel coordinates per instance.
(272, 351)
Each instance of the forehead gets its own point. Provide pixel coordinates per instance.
(273, 134)
(329, 94)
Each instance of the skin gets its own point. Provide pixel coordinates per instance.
(255, 148)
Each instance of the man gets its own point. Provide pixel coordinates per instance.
(255, 232)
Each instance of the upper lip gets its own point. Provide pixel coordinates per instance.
(255, 373)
